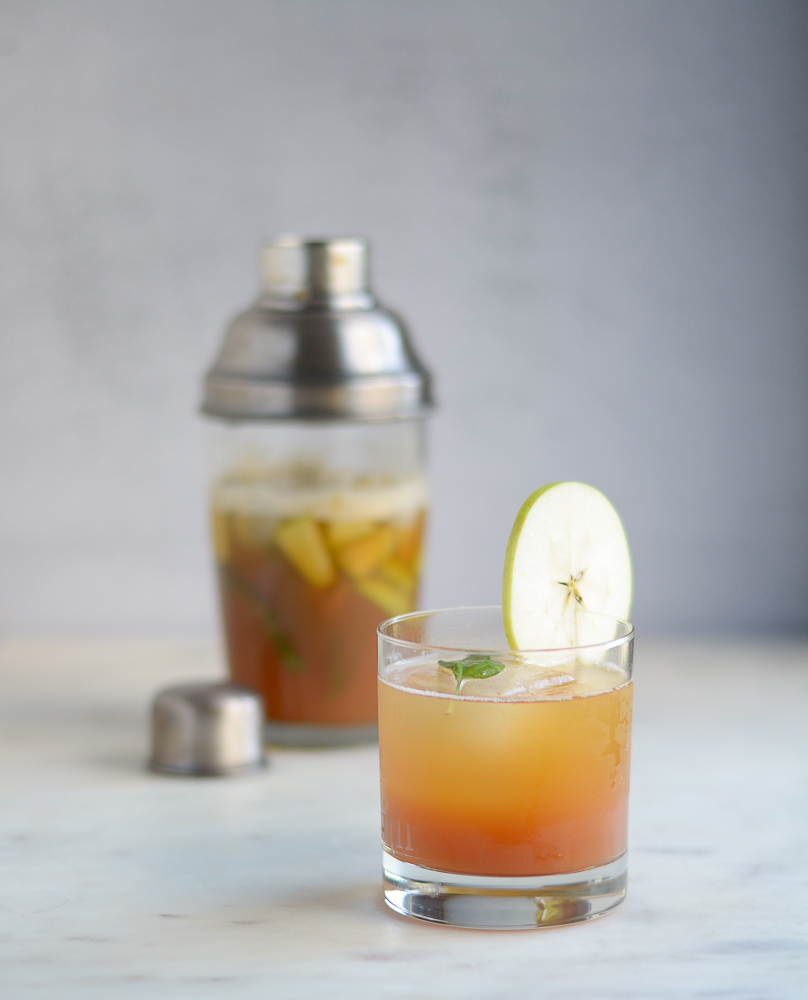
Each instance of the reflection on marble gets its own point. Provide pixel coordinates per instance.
(117, 882)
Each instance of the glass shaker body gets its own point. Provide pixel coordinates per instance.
(318, 530)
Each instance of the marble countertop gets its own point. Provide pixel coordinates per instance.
(120, 883)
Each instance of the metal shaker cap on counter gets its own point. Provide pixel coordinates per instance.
(316, 345)
(207, 730)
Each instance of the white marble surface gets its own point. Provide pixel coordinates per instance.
(118, 883)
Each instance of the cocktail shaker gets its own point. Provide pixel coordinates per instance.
(318, 487)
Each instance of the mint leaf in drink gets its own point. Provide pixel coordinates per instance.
(476, 665)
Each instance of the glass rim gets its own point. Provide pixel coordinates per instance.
(412, 615)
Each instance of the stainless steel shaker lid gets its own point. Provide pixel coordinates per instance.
(316, 345)
(207, 729)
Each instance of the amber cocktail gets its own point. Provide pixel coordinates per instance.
(308, 567)
(504, 797)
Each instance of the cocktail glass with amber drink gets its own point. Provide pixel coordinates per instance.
(504, 773)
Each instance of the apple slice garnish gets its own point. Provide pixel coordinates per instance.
(567, 554)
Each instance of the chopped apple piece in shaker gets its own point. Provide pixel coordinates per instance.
(301, 541)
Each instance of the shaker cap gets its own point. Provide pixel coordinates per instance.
(207, 729)
(317, 345)
(321, 271)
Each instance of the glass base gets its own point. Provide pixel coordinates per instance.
(493, 903)
(309, 734)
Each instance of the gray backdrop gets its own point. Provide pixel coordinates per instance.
(593, 215)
